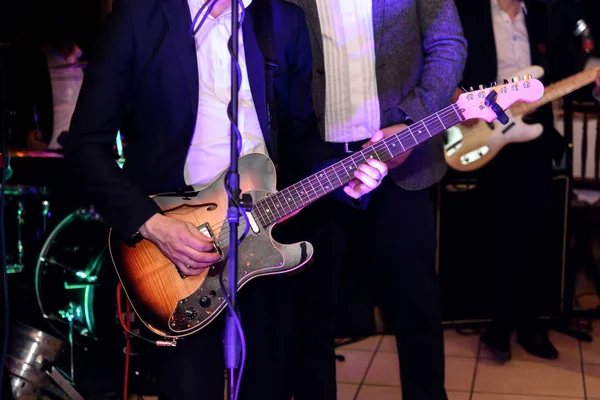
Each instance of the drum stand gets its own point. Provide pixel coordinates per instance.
(55, 374)
(63, 383)
(60, 378)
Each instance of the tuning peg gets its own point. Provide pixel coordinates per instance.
(527, 77)
(470, 88)
(515, 79)
(493, 83)
(504, 82)
(481, 87)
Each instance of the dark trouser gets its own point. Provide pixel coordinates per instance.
(393, 243)
(520, 189)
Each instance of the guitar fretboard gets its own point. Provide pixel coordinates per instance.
(312, 188)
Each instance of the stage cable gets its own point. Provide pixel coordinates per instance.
(2, 233)
(206, 8)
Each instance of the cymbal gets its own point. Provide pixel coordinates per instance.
(79, 64)
(33, 154)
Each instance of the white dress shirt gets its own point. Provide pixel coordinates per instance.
(351, 102)
(208, 154)
(512, 41)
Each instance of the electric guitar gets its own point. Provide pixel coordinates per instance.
(172, 305)
(470, 148)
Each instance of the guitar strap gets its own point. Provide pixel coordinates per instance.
(263, 28)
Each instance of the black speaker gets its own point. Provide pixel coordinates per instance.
(464, 261)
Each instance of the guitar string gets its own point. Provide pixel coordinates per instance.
(452, 109)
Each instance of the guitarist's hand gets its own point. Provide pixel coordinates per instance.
(387, 132)
(369, 175)
(181, 242)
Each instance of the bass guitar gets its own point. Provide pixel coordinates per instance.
(172, 305)
(470, 148)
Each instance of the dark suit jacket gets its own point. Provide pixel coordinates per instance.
(147, 59)
(420, 54)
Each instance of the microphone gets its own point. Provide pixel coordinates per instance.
(587, 40)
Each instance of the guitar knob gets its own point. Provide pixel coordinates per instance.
(515, 79)
(190, 313)
(205, 301)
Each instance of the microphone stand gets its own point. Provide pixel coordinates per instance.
(232, 340)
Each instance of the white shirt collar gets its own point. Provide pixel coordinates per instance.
(227, 11)
(496, 6)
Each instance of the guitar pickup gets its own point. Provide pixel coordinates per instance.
(208, 232)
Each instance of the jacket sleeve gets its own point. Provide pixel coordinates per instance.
(96, 120)
(445, 52)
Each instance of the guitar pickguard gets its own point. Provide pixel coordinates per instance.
(258, 255)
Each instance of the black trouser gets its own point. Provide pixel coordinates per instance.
(393, 243)
(519, 184)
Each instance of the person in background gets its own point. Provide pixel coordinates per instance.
(505, 36)
(51, 76)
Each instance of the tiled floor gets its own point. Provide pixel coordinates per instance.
(370, 371)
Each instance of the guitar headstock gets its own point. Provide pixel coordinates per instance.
(479, 103)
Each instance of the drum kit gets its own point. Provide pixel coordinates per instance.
(69, 267)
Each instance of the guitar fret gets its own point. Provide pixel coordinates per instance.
(281, 198)
(342, 172)
(442, 122)
(388, 148)
(291, 196)
(311, 180)
(259, 216)
(335, 176)
(319, 181)
(306, 190)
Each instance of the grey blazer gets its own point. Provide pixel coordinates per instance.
(420, 54)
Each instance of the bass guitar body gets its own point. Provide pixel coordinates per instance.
(172, 305)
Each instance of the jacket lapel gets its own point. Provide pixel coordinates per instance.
(255, 65)
(378, 15)
(178, 16)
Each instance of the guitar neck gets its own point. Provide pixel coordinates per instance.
(320, 184)
(557, 90)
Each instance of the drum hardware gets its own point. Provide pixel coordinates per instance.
(21, 200)
(31, 364)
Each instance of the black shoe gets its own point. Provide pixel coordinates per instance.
(538, 344)
(498, 343)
